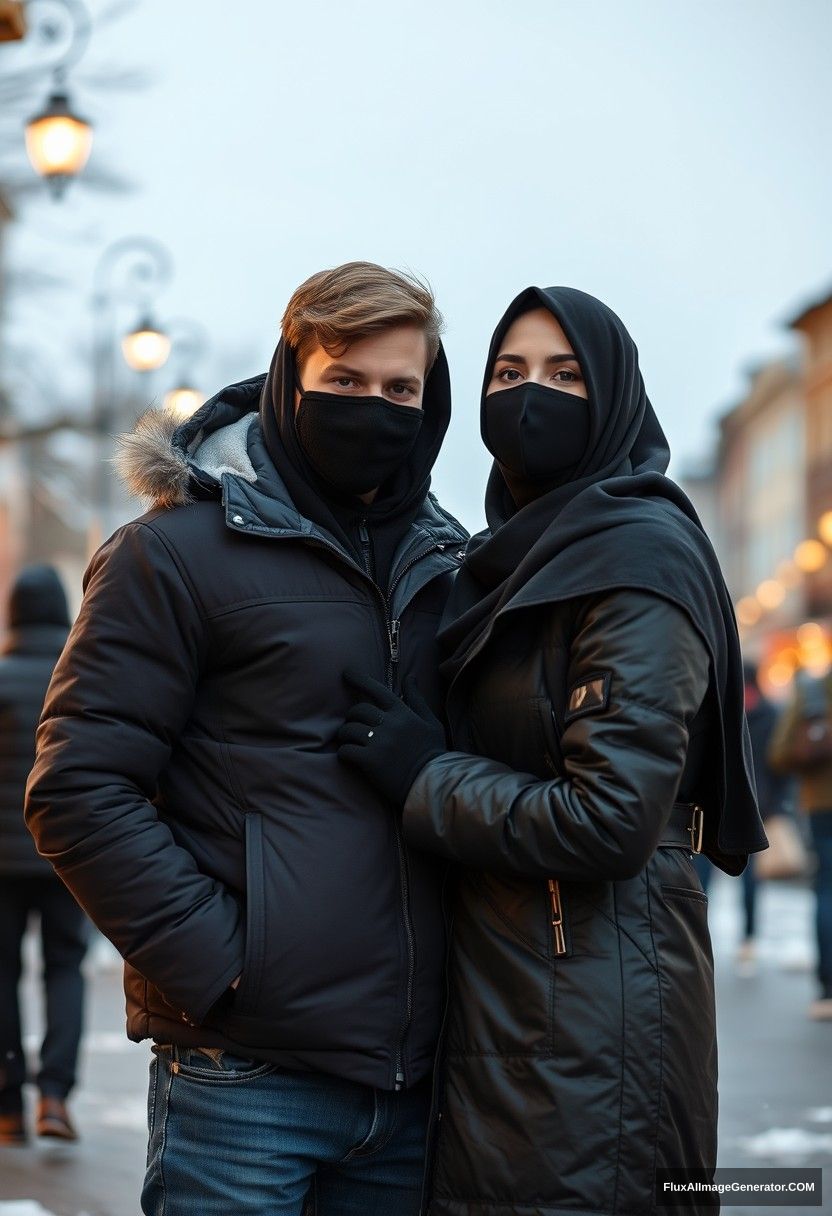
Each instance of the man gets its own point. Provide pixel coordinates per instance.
(38, 626)
(283, 948)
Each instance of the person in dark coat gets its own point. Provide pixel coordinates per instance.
(38, 620)
(595, 701)
(284, 947)
(775, 796)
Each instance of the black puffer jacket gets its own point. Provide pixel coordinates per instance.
(580, 1056)
(187, 787)
(38, 628)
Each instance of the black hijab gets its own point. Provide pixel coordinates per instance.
(619, 523)
(398, 500)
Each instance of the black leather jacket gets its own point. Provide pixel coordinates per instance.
(580, 1048)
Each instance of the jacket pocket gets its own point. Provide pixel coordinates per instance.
(549, 735)
(248, 989)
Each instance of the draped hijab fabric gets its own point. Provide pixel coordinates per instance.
(402, 494)
(619, 523)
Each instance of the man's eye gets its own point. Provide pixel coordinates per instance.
(344, 381)
(400, 390)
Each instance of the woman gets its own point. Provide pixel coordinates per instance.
(595, 705)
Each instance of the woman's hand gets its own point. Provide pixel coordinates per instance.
(389, 740)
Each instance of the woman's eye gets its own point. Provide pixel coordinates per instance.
(566, 376)
(344, 381)
(509, 375)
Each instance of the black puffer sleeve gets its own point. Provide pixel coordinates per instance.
(623, 760)
(118, 700)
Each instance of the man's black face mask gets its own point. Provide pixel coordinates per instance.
(355, 443)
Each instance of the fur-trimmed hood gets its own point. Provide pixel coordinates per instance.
(164, 458)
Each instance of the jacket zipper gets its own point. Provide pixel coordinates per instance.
(365, 547)
(556, 910)
(393, 631)
(434, 1115)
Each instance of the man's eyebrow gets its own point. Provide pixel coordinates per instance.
(343, 370)
(551, 359)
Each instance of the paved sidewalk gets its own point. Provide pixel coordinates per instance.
(775, 1074)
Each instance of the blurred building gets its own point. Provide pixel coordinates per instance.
(8, 466)
(767, 503)
(814, 324)
(760, 492)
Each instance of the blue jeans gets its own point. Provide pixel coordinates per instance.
(229, 1135)
(820, 824)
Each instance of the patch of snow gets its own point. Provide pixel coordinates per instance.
(787, 1143)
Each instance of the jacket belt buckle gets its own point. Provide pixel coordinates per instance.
(696, 827)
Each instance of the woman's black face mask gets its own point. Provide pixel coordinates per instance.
(355, 443)
(537, 433)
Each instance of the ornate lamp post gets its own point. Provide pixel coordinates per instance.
(58, 140)
(132, 270)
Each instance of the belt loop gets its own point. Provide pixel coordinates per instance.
(696, 829)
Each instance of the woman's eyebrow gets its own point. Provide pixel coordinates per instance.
(551, 359)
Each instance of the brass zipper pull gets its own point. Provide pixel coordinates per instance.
(557, 916)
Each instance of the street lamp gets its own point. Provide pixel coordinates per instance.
(58, 140)
(810, 556)
(825, 527)
(145, 348)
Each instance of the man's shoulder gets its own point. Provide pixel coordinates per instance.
(184, 527)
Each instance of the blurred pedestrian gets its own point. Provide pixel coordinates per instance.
(38, 628)
(775, 793)
(802, 745)
(775, 796)
(284, 949)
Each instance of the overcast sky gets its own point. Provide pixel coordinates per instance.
(672, 159)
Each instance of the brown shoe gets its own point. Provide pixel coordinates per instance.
(53, 1120)
(821, 1010)
(12, 1129)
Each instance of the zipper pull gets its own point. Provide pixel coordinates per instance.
(399, 1080)
(557, 916)
(364, 536)
(395, 629)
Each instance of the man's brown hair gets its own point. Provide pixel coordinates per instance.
(337, 307)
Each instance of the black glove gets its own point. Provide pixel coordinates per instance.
(389, 740)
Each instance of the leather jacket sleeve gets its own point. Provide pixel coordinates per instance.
(119, 698)
(623, 759)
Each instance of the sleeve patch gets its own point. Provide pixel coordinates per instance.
(590, 696)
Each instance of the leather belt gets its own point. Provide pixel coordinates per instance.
(683, 828)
